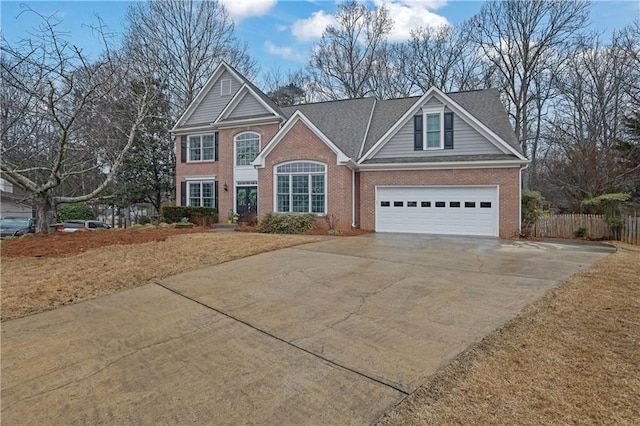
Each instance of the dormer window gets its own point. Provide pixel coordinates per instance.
(433, 129)
(225, 87)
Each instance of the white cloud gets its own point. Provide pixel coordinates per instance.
(311, 28)
(410, 15)
(407, 15)
(241, 9)
(284, 51)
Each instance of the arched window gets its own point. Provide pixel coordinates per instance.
(301, 187)
(247, 148)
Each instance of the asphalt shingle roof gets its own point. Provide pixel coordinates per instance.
(486, 106)
(345, 122)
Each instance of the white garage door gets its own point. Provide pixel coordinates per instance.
(438, 210)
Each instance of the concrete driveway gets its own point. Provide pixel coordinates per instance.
(334, 332)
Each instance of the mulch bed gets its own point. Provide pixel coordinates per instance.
(64, 244)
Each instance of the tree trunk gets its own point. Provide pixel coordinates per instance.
(45, 211)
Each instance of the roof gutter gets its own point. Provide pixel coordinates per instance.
(441, 165)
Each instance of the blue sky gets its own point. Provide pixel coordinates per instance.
(279, 32)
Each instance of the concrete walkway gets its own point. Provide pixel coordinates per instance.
(335, 332)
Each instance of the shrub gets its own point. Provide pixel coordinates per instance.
(286, 223)
(75, 211)
(144, 220)
(201, 216)
(532, 202)
(580, 232)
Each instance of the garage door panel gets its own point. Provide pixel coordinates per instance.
(437, 210)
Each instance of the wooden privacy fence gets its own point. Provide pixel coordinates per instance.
(566, 225)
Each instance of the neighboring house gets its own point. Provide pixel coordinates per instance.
(442, 163)
(12, 201)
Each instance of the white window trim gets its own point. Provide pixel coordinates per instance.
(235, 150)
(275, 187)
(200, 182)
(432, 111)
(223, 82)
(200, 135)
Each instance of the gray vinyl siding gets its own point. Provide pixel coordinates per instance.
(248, 107)
(433, 102)
(213, 103)
(466, 141)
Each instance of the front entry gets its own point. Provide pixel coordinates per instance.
(246, 199)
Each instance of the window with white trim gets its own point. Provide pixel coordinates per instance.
(247, 148)
(301, 187)
(201, 194)
(202, 148)
(433, 129)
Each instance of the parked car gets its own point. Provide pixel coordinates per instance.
(80, 225)
(16, 226)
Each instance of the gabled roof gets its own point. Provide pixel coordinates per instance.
(244, 91)
(468, 114)
(358, 128)
(386, 114)
(298, 116)
(344, 122)
(208, 86)
(486, 106)
(264, 98)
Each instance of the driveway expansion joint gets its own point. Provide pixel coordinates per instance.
(395, 386)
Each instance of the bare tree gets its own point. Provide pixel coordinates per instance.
(445, 58)
(54, 98)
(592, 150)
(389, 79)
(184, 40)
(343, 62)
(521, 39)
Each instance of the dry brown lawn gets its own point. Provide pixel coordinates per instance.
(571, 358)
(35, 284)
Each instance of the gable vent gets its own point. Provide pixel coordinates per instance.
(225, 87)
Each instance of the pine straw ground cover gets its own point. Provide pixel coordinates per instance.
(573, 357)
(51, 277)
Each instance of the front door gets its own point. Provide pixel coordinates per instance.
(246, 199)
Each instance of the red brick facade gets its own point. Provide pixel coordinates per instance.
(300, 144)
(223, 168)
(507, 179)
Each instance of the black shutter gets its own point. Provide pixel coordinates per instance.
(215, 194)
(417, 133)
(183, 149)
(183, 193)
(215, 155)
(448, 130)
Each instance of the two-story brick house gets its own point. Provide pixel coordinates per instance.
(444, 163)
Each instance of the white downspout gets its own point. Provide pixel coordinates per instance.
(353, 198)
(520, 199)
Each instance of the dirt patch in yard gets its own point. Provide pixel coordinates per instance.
(34, 284)
(571, 358)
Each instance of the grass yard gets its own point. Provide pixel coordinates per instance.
(573, 357)
(44, 272)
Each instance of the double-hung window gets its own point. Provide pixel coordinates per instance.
(202, 194)
(301, 188)
(433, 129)
(202, 148)
(247, 148)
